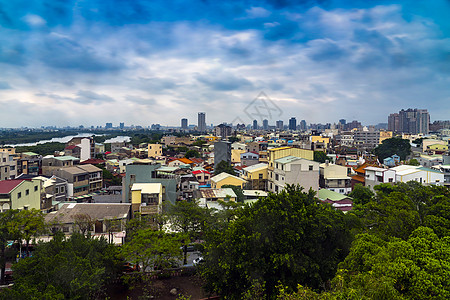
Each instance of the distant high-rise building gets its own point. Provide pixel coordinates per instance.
(265, 124)
(108, 125)
(122, 125)
(280, 125)
(201, 125)
(412, 121)
(293, 123)
(184, 123)
(303, 125)
(223, 130)
(255, 125)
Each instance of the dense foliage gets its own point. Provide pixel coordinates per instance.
(287, 238)
(72, 268)
(393, 146)
(42, 149)
(224, 166)
(321, 157)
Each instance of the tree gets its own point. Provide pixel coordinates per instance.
(150, 248)
(237, 190)
(224, 166)
(288, 237)
(233, 139)
(192, 153)
(413, 162)
(72, 268)
(30, 224)
(83, 222)
(321, 156)
(361, 194)
(188, 218)
(8, 231)
(393, 146)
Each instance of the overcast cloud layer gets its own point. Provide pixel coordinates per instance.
(86, 62)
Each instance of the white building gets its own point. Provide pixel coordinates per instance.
(425, 176)
(376, 176)
(294, 170)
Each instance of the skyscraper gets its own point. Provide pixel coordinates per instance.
(293, 123)
(184, 123)
(265, 124)
(303, 125)
(255, 125)
(122, 125)
(201, 126)
(280, 125)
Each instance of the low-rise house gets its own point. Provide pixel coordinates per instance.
(29, 163)
(20, 194)
(437, 149)
(253, 195)
(209, 197)
(226, 179)
(8, 166)
(294, 170)
(376, 176)
(429, 160)
(249, 158)
(202, 176)
(256, 176)
(82, 179)
(337, 200)
(50, 163)
(446, 170)
(334, 178)
(425, 176)
(154, 150)
(54, 191)
(391, 161)
(180, 162)
(100, 219)
(146, 198)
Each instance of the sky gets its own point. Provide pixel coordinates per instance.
(70, 63)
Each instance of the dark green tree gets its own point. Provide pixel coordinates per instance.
(9, 231)
(73, 268)
(192, 153)
(393, 146)
(321, 156)
(361, 194)
(286, 238)
(224, 166)
(233, 139)
(237, 190)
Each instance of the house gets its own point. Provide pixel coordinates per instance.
(391, 161)
(251, 196)
(226, 179)
(428, 142)
(154, 150)
(436, 149)
(337, 200)
(334, 178)
(8, 166)
(101, 219)
(430, 160)
(86, 147)
(256, 176)
(360, 176)
(180, 162)
(54, 192)
(20, 194)
(146, 198)
(293, 170)
(29, 163)
(249, 158)
(50, 163)
(446, 170)
(202, 176)
(425, 176)
(82, 179)
(375, 176)
(209, 197)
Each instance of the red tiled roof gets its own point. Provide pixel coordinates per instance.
(359, 178)
(93, 161)
(6, 186)
(71, 147)
(200, 171)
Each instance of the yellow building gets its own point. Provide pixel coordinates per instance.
(20, 194)
(320, 139)
(236, 155)
(276, 153)
(226, 179)
(146, 198)
(256, 176)
(384, 135)
(154, 150)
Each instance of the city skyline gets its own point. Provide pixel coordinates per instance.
(67, 64)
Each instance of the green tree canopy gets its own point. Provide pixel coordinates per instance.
(73, 268)
(224, 166)
(393, 146)
(288, 237)
(361, 194)
(321, 156)
(192, 153)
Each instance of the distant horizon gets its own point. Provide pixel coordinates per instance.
(141, 62)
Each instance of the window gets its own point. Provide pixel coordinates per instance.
(310, 167)
(27, 192)
(35, 188)
(276, 176)
(57, 190)
(19, 195)
(260, 176)
(341, 191)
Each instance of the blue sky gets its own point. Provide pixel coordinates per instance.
(89, 62)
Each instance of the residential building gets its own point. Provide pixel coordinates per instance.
(366, 139)
(293, 123)
(82, 179)
(376, 176)
(146, 198)
(50, 163)
(29, 163)
(236, 155)
(178, 162)
(334, 178)
(201, 125)
(249, 159)
(256, 176)
(184, 123)
(303, 126)
(412, 121)
(293, 170)
(429, 160)
(265, 124)
(223, 131)
(20, 194)
(202, 176)
(154, 150)
(209, 197)
(86, 145)
(428, 142)
(226, 179)
(425, 176)
(8, 166)
(279, 125)
(222, 152)
(100, 219)
(337, 200)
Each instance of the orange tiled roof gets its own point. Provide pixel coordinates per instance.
(359, 178)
